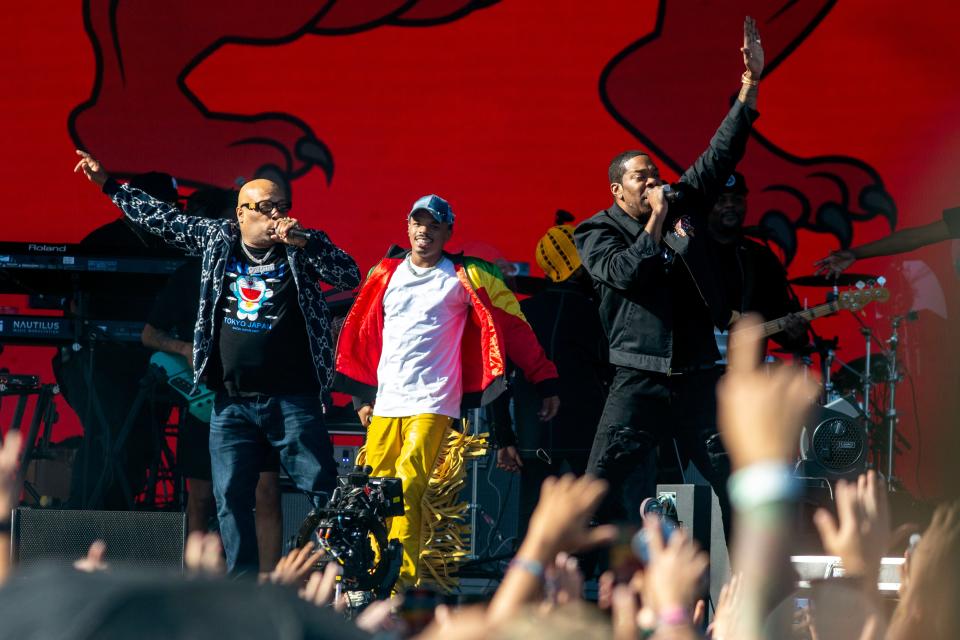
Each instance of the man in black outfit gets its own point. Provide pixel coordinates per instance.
(659, 302)
(751, 276)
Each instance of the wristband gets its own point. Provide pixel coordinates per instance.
(674, 616)
(532, 567)
(749, 81)
(6, 527)
(760, 484)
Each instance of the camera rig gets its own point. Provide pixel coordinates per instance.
(352, 529)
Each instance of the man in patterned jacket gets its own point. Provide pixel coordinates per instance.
(427, 337)
(262, 340)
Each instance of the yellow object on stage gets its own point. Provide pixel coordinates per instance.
(428, 456)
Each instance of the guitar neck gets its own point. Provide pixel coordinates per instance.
(776, 326)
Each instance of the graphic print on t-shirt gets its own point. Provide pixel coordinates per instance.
(251, 288)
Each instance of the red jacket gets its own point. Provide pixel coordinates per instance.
(496, 329)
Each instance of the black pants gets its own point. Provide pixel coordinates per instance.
(644, 408)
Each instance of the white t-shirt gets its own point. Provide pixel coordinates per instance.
(424, 314)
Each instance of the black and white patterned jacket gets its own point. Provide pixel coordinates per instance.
(320, 260)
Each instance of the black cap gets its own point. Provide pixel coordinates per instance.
(735, 184)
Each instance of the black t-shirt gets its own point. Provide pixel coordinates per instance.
(952, 218)
(263, 344)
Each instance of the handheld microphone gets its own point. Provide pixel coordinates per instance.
(672, 194)
(299, 233)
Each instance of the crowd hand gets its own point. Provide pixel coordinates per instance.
(9, 463)
(282, 229)
(365, 412)
(673, 578)
(509, 460)
(752, 50)
(203, 554)
(91, 168)
(932, 555)
(322, 587)
(293, 568)
(727, 612)
(94, 560)
(564, 580)
(549, 408)
(560, 521)
(464, 623)
(759, 412)
(863, 533)
(380, 617)
(835, 263)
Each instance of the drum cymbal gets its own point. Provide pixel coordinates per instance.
(846, 380)
(842, 280)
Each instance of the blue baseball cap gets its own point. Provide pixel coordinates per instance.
(435, 206)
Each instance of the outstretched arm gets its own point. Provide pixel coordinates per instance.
(729, 143)
(753, 60)
(897, 242)
(188, 233)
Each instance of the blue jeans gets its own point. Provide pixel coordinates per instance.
(242, 432)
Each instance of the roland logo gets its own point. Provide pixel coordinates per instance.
(47, 248)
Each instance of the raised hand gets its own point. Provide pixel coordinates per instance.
(203, 554)
(725, 617)
(294, 567)
(91, 168)
(835, 263)
(9, 464)
(560, 521)
(863, 533)
(673, 578)
(95, 559)
(564, 580)
(752, 49)
(321, 587)
(760, 412)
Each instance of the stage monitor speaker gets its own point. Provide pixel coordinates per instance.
(834, 445)
(698, 510)
(143, 539)
(294, 506)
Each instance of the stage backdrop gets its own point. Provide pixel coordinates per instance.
(510, 110)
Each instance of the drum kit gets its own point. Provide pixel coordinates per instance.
(860, 394)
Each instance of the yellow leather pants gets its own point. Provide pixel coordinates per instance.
(407, 448)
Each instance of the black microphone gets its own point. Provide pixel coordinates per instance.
(674, 193)
(303, 234)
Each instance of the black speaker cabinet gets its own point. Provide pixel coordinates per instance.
(134, 538)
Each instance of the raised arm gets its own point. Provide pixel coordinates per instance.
(188, 233)
(729, 143)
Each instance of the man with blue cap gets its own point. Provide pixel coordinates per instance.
(427, 338)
